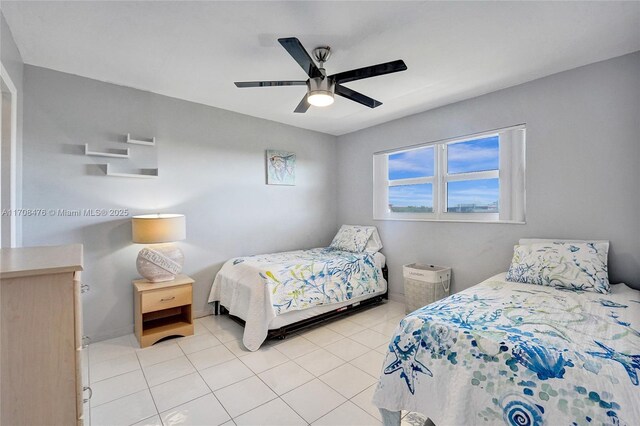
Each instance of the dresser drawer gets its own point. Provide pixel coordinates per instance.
(165, 298)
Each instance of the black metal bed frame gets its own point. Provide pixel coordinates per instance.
(282, 332)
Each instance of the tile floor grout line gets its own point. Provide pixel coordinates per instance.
(344, 362)
(289, 360)
(361, 369)
(209, 387)
(112, 377)
(156, 363)
(118, 398)
(147, 418)
(317, 376)
(336, 390)
(186, 402)
(260, 405)
(280, 397)
(148, 387)
(345, 402)
(193, 399)
(270, 388)
(314, 378)
(361, 392)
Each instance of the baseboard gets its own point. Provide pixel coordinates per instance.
(111, 334)
(123, 331)
(397, 297)
(203, 313)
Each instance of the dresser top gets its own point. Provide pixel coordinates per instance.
(27, 261)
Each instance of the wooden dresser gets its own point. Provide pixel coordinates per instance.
(41, 343)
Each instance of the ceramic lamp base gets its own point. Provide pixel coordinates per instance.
(159, 263)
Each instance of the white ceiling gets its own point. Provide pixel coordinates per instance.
(196, 50)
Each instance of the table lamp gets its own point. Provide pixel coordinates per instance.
(161, 261)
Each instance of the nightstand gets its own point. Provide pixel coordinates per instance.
(163, 309)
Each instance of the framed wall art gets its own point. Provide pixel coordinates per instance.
(281, 167)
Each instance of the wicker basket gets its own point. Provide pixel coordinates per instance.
(424, 284)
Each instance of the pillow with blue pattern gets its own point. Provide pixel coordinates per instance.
(352, 238)
(574, 266)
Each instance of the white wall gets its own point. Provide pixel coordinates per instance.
(583, 173)
(212, 169)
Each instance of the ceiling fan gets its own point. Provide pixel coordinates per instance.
(320, 86)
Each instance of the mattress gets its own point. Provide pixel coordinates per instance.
(294, 285)
(520, 354)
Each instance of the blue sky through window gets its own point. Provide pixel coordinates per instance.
(419, 196)
(411, 164)
(473, 196)
(477, 155)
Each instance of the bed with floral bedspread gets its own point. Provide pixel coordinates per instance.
(517, 354)
(259, 288)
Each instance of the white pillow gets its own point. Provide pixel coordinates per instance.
(375, 243)
(352, 238)
(570, 265)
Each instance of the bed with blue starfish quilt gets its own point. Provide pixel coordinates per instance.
(518, 354)
(260, 288)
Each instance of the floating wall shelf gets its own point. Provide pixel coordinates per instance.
(150, 142)
(142, 173)
(115, 153)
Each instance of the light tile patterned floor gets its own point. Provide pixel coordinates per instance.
(323, 376)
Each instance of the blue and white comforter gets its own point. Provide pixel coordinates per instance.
(258, 288)
(518, 354)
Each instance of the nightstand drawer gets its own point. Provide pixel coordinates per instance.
(166, 298)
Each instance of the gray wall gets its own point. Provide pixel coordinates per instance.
(12, 61)
(212, 169)
(582, 179)
(583, 151)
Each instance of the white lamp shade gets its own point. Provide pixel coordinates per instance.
(158, 228)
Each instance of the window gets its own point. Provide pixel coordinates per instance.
(475, 178)
(410, 175)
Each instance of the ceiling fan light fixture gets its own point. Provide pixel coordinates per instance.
(320, 91)
(321, 88)
(320, 98)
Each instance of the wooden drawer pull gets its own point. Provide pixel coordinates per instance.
(167, 299)
(84, 389)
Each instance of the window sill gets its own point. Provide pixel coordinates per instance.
(414, 219)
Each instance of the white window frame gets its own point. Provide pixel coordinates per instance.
(510, 174)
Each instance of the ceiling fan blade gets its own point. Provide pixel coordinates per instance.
(303, 106)
(295, 49)
(372, 71)
(270, 83)
(356, 96)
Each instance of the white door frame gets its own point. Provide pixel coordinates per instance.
(13, 154)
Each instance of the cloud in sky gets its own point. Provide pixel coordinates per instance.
(469, 156)
(411, 164)
(474, 156)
